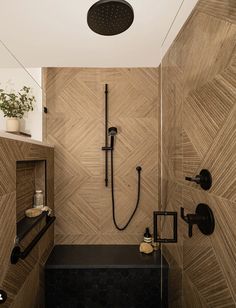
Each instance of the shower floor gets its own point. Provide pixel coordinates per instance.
(106, 276)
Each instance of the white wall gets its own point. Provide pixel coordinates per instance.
(182, 15)
(64, 38)
(15, 79)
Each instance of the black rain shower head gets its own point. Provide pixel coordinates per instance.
(110, 17)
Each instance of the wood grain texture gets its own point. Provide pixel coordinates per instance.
(21, 281)
(191, 297)
(75, 124)
(25, 187)
(199, 99)
(225, 10)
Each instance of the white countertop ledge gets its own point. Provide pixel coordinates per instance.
(23, 139)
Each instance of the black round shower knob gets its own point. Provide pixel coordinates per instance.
(203, 218)
(206, 225)
(204, 179)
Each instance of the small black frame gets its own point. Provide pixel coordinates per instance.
(157, 239)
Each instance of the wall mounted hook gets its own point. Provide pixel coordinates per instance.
(203, 218)
(204, 179)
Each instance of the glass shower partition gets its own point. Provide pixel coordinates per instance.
(171, 177)
(13, 77)
(171, 163)
(17, 192)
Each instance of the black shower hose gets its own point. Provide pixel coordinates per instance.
(113, 196)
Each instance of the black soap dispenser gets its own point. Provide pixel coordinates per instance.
(147, 238)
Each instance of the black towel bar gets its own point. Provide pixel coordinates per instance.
(18, 254)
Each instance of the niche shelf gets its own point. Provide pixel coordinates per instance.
(21, 134)
(30, 176)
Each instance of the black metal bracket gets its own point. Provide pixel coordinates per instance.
(107, 148)
(26, 224)
(156, 238)
(203, 218)
(18, 254)
(204, 179)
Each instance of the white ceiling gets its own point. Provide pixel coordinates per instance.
(50, 33)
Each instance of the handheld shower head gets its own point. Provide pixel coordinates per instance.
(112, 131)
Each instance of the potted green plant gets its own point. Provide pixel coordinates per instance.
(15, 105)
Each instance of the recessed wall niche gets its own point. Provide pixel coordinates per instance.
(30, 176)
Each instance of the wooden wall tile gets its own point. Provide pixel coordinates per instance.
(20, 281)
(200, 68)
(191, 297)
(76, 127)
(224, 10)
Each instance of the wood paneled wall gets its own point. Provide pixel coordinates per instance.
(199, 131)
(23, 281)
(25, 187)
(75, 125)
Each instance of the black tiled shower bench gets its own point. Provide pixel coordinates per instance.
(105, 276)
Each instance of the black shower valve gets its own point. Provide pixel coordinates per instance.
(190, 219)
(203, 218)
(204, 179)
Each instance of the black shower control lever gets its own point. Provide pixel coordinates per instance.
(203, 218)
(190, 219)
(203, 179)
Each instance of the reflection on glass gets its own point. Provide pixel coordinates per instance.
(13, 78)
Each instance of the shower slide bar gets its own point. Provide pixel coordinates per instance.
(106, 137)
(18, 254)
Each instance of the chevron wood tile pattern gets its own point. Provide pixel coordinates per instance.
(206, 275)
(199, 99)
(222, 242)
(21, 281)
(30, 287)
(7, 210)
(224, 183)
(225, 10)
(196, 46)
(191, 298)
(207, 118)
(75, 124)
(191, 159)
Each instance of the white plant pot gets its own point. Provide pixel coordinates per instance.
(12, 125)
